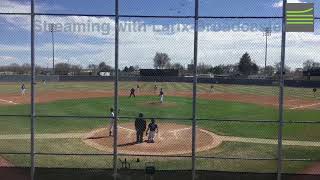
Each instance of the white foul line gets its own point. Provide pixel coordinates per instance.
(177, 130)
(10, 102)
(304, 106)
(42, 136)
(126, 129)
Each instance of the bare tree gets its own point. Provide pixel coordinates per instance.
(93, 68)
(177, 66)
(75, 69)
(278, 68)
(161, 60)
(310, 64)
(103, 67)
(62, 68)
(269, 70)
(203, 68)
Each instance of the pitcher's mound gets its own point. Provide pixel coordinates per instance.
(172, 139)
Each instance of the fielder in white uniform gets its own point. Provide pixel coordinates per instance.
(23, 89)
(111, 121)
(161, 95)
(153, 130)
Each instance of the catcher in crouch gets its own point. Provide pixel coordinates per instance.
(153, 130)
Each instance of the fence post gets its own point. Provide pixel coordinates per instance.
(194, 96)
(281, 96)
(116, 99)
(32, 145)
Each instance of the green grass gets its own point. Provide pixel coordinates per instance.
(174, 107)
(227, 149)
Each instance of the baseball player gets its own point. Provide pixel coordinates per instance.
(155, 88)
(23, 89)
(153, 130)
(211, 88)
(111, 121)
(132, 93)
(161, 95)
(140, 125)
(314, 91)
(138, 88)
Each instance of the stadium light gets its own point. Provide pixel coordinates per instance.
(52, 30)
(266, 33)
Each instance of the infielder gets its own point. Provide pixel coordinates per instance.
(211, 88)
(153, 130)
(132, 93)
(314, 92)
(23, 89)
(138, 88)
(155, 88)
(161, 95)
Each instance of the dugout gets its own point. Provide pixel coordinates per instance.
(159, 72)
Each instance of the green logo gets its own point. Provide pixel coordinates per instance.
(300, 17)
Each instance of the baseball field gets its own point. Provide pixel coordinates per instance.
(237, 126)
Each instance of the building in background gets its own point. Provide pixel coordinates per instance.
(312, 74)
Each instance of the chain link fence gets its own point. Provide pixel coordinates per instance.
(112, 89)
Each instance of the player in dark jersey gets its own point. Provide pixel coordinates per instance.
(153, 130)
(140, 125)
(132, 93)
(314, 92)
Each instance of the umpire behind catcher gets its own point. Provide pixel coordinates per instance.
(140, 125)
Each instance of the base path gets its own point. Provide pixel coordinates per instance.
(43, 136)
(268, 141)
(314, 169)
(5, 163)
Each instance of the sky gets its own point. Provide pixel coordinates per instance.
(90, 40)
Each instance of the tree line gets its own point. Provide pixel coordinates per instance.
(245, 67)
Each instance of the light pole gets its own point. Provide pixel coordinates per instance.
(52, 30)
(266, 33)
